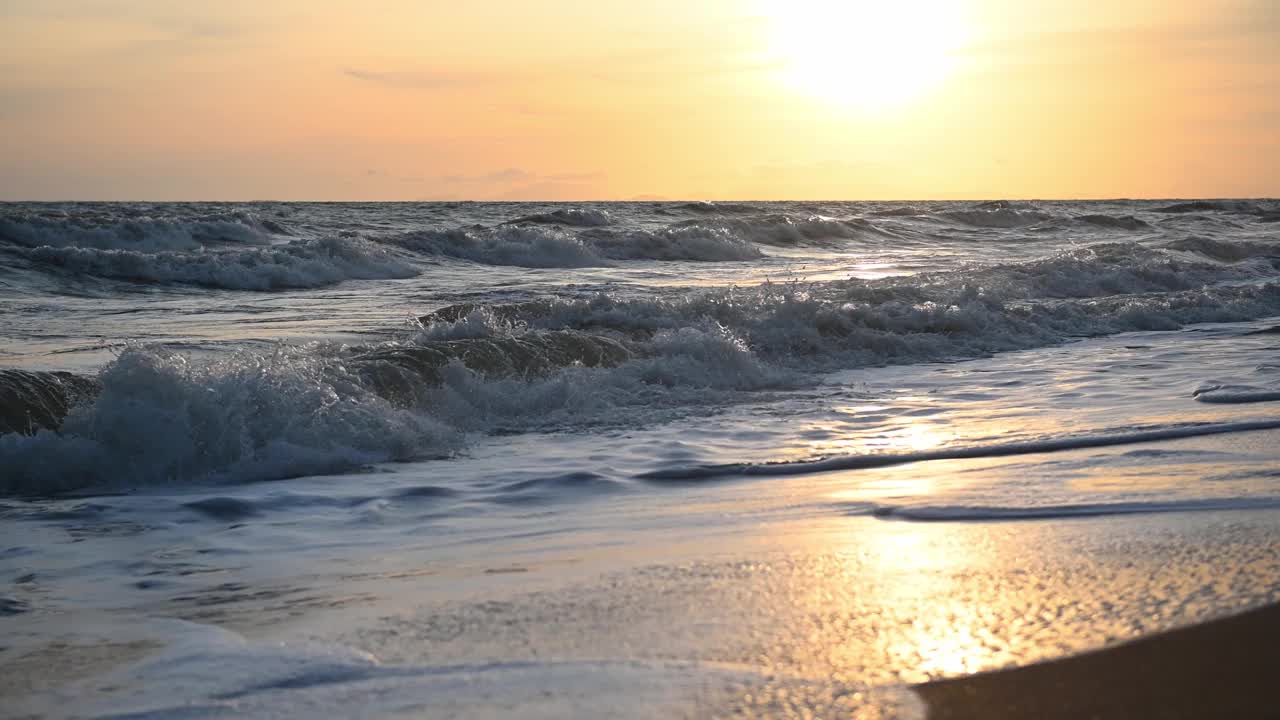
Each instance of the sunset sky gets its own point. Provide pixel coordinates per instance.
(597, 99)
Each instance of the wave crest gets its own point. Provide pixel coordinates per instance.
(547, 247)
(142, 234)
(32, 401)
(572, 217)
(300, 264)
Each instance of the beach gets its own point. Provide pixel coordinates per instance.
(784, 614)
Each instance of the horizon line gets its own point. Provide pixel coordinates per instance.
(1264, 198)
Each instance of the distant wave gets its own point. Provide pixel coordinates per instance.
(1225, 250)
(299, 264)
(784, 230)
(549, 247)
(998, 217)
(722, 239)
(1208, 206)
(1116, 222)
(718, 208)
(140, 234)
(693, 242)
(1109, 269)
(573, 217)
(904, 211)
(1092, 291)
(1005, 205)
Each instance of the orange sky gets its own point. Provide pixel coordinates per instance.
(578, 99)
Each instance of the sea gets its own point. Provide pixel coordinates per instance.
(643, 459)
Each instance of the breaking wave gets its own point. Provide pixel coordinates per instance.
(139, 234)
(299, 264)
(154, 416)
(33, 401)
(616, 357)
(780, 229)
(548, 247)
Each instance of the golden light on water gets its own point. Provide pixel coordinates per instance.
(866, 54)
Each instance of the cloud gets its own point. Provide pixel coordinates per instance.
(507, 175)
(419, 79)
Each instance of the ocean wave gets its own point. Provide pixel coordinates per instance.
(905, 211)
(402, 372)
(161, 417)
(947, 316)
(1208, 206)
(784, 230)
(717, 208)
(534, 247)
(573, 217)
(693, 243)
(997, 217)
(1099, 270)
(1006, 205)
(548, 247)
(299, 264)
(1115, 222)
(141, 234)
(547, 365)
(1225, 250)
(33, 401)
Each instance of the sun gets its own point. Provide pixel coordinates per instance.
(865, 53)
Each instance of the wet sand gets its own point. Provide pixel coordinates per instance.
(1226, 668)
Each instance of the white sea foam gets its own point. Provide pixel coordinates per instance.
(224, 676)
(521, 246)
(163, 417)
